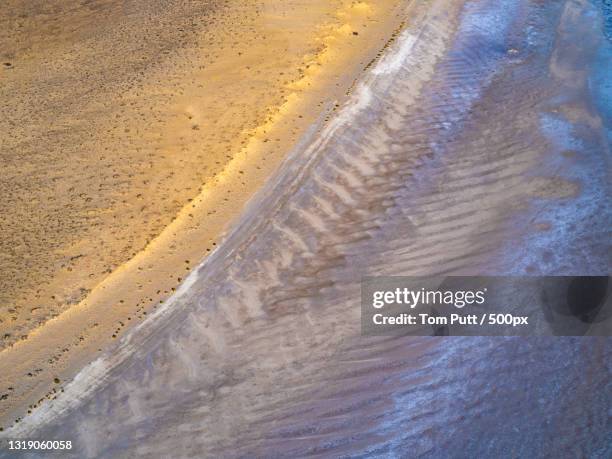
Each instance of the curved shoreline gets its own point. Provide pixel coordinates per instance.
(295, 168)
(66, 343)
(452, 153)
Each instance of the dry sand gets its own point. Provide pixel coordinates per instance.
(135, 133)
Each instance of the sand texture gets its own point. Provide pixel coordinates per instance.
(134, 133)
(478, 143)
(118, 114)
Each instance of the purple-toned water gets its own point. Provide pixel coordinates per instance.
(480, 144)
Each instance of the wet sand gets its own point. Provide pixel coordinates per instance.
(477, 145)
(135, 135)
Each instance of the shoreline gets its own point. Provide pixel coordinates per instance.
(64, 344)
(261, 352)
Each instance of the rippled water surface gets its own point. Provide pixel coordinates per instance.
(480, 144)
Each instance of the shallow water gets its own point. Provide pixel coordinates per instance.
(479, 144)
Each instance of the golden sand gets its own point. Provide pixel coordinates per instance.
(135, 134)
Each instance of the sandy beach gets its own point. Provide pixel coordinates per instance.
(123, 164)
(477, 142)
